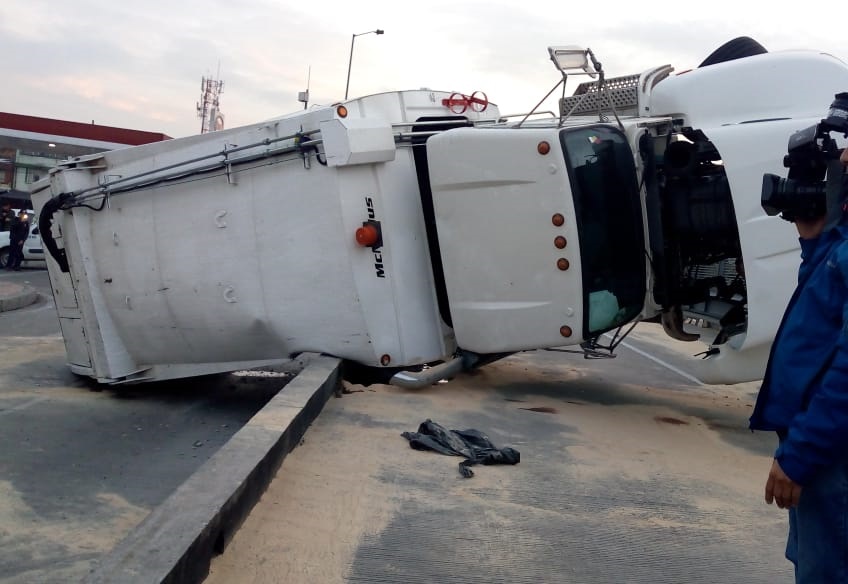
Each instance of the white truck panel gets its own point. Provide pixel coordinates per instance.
(243, 266)
(357, 141)
(790, 84)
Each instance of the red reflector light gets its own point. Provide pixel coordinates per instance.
(367, 235)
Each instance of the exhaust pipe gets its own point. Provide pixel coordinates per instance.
(429, 375)
(672, 323)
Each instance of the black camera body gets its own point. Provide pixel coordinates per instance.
(814, 185)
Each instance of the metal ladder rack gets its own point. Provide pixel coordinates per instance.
(623, 91)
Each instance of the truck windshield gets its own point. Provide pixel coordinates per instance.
(609, 220)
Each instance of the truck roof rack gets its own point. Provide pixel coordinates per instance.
(623, 91)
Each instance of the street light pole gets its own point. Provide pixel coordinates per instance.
(350, 61)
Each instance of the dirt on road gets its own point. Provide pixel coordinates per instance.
(618, 482)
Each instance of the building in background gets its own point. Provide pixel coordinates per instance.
(31, 146)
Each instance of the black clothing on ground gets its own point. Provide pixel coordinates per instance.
(473, 445)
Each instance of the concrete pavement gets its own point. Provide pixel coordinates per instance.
(628, 473)
(575, 419)
(14, 295)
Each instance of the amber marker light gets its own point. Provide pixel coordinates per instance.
(385, 360)
(565, 331)
(543, 148)
(560, 242)
(558, 220)
(367, 235)
(341, 111)
(563, 264)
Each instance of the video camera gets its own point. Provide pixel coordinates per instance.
(815, 185)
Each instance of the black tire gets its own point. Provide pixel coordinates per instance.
(737, 48)
(4, 257)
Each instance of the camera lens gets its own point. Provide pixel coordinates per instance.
(794, 199)
(769, 199)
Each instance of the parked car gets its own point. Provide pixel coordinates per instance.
(33, 249)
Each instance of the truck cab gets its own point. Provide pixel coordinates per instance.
(644, 203)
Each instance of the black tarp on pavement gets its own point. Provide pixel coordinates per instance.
(471, 444)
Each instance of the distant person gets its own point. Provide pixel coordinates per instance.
(6, 216)
(18, 234)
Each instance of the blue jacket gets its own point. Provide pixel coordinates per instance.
(804, 395)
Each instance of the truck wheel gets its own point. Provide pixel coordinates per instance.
(4, 257)
(734, 49)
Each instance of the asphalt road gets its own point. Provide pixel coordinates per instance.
(37, 320)
(629, 473)
(82, 464)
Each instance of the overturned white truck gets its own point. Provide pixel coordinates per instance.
(419, 233)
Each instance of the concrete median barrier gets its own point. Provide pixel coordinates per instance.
(176, 542)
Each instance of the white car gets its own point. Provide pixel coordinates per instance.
(33, 249)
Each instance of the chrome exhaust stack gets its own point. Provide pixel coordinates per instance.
(429, 375)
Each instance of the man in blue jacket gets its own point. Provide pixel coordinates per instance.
(804, 398)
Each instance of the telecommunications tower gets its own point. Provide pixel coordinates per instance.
(207, 108)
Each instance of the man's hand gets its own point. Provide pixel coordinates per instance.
(781, 489)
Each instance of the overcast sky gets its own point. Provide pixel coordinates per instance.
(139, 64)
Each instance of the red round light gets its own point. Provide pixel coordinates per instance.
(367, 235)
